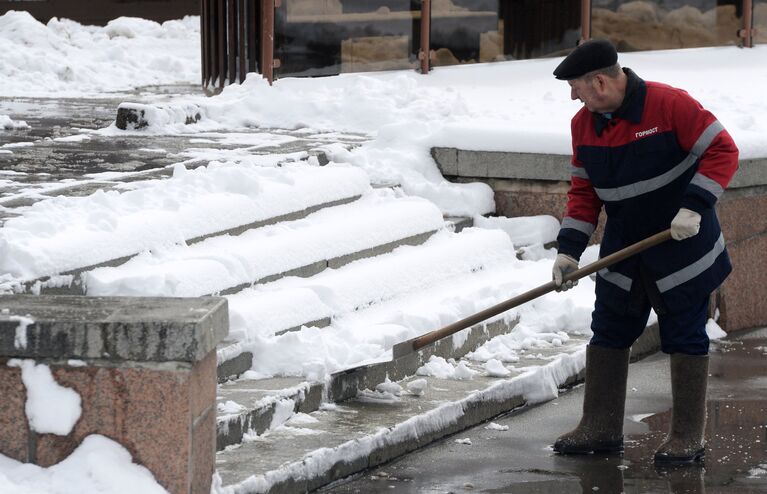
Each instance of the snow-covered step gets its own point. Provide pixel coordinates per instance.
(373, 328)
(332, 237)
(302, 452)
(267, 309)
(53, 241)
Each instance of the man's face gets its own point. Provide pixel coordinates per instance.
(585, 89)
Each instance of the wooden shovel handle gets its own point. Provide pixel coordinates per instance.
(467, 322)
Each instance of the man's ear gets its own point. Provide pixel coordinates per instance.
(601, 82)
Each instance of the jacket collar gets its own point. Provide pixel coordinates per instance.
(632, 106)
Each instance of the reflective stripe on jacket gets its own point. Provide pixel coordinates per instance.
(661, 151)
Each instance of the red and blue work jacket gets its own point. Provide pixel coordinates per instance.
(660, 151)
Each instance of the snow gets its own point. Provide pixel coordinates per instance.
(65, 233)
(99, 465)
(20, 338)
(66, 59)
(50, 407)
(6, 123)
(417, 387)
(714, 331)
(442, 369)
(533, 386)
(492, 426)
(495, 368)
(517, 107)
(523, 231)
(223, 262)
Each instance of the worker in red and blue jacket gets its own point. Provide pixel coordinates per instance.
(653, 157)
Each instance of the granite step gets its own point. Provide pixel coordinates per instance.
(348, 433)
(260, 399)
(306, 451)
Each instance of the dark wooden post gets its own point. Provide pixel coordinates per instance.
(267, 39)
(424, 54)
(585, 20)
(747, 33)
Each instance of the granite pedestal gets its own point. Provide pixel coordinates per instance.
(145, 369)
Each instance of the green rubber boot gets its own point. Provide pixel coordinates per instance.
(689, 378)
(601, 427)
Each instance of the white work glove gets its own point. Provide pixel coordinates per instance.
(562, 266)
(685, 224)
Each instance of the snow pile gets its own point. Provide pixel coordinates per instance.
(64, 58)
(50, 407)
(523, 231)
(98, 466)
(6, 123)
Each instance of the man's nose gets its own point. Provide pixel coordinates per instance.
(573, 94)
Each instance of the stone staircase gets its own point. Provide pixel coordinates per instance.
(353, 255)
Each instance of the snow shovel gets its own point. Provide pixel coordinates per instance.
(409, 346)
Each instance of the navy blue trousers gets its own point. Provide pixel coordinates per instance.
(680, 332)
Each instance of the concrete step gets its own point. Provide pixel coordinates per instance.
(311, 450)
(260, 399)
(314, 447)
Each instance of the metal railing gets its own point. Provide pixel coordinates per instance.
(242, 36)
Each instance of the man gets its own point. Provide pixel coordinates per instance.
(653, 157)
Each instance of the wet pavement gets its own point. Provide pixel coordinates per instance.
(59, 154)
(520, 460)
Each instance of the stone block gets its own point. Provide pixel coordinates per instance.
(233, 367)
(446, 159)
(474, 163)
(736, 205)
(203, 451)
(155, 393)
(14, 430)
(751, 173)
(741, 296)
(529, 166)
(114, 328)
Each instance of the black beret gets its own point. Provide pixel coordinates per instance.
(590, 55)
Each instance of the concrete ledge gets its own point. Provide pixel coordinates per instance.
(112, 328)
